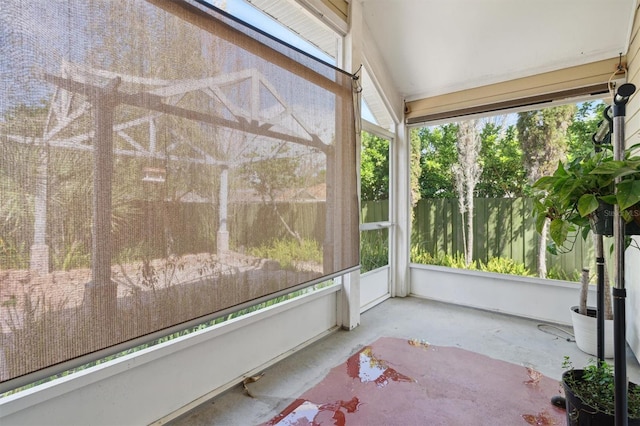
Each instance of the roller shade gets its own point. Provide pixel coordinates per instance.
(583, 80)
(160, 163)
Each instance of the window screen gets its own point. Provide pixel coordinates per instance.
(160, 162)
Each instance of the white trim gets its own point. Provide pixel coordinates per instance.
(374, 303)
(529, 297)
(326, 15)
(632, 13)
(350, 301)
(210, 395)
(401, 213)
(374, 287)
(370, 127)
(380, 78)
(372, 226)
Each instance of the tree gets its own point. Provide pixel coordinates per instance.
(415, 168)
(584, 124)
(544, 140)
(272, 177)
(467, 172)
(374, 168)
(437, 156)
(501, 157)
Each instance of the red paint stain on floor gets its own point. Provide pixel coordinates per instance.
(540, 419)
(303, 412)
(400, 382)
(367, 368)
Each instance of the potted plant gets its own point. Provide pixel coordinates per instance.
(578, 198)
(589, 395)
(581, 194)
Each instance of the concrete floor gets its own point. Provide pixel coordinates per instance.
(516, 340)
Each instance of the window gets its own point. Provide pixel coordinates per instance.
(493, 229)
(374, 198)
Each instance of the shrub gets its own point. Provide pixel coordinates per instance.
(288, 252)
(557, 273)
(441, 259)
(373, 257)
(504, 265)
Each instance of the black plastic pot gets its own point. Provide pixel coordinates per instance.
(581, 414)
(603, 221)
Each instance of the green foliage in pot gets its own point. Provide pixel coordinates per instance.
(571, 196)
(596, 388)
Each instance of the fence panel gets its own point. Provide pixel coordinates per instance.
(503, 227)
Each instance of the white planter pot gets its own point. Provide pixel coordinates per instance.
(585, 329)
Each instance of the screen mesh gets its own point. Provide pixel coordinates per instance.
(159, 162)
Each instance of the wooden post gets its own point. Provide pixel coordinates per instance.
(101, 297)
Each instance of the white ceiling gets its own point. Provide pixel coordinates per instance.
(431, 47)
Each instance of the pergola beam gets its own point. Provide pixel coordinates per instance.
(156, 103)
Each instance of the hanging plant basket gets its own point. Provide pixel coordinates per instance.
(603, 220)
(633, 227)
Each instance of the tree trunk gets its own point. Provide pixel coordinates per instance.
(599, 246)
(469, 254)
(542, 250)
(467, 172)
(584, 292)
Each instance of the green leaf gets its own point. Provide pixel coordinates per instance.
(628, 193)
(560, 171)
(609, 199)
(545, 182)
(558, 230)
(540, 219)
(587, 204)
(625, 171)
(633, 162)
(633, 148)
(608, 168)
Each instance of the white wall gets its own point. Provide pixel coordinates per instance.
(632, 133)
(632, 283)
(169, 379)
(544, 300)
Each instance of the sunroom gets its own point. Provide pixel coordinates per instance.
(182, 202)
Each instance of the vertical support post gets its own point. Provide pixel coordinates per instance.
(600, 297)
(344, 232)
(222, 238)
(350, 300)
(330, 223)
(39, 259)
(601, 136)
(619, 292)
(101, 297)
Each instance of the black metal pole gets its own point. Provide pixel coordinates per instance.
(600, 299)
(600, 137)
(619, 293)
